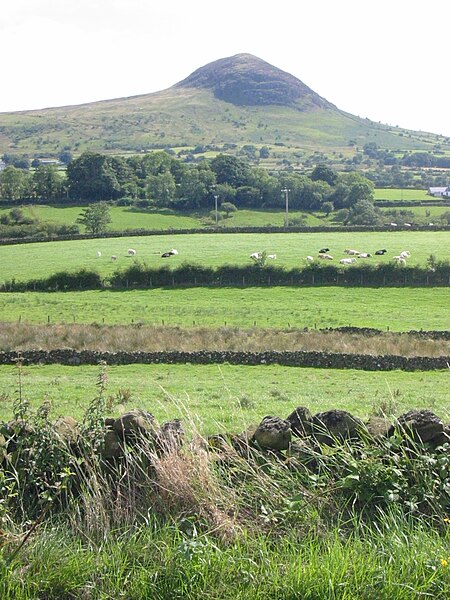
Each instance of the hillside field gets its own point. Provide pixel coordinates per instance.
(28, 261)
(400, 309)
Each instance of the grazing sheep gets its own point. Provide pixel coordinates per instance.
(113, 257)
(272, 256)
(401, 261)
(351, 252)
(310, 258)
(347, 261)
(256, 255)
(324, 250)
(99, 254)
(405, 254)
(365, 255)
(131, 252)
(172, 252)
(325, 256)
(380, 252)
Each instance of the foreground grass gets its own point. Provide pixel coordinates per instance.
(224, 397)
(397, 561)
(400, 309)
(29, 261)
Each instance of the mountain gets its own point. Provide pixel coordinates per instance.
(246, 80)
(232, 102)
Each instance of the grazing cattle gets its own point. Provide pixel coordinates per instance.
(309, 258)
(256, 255)
(365, 255)
(174, 252)
(325, 256)
(380, 252)
(131, 252)
(113, 257)
(401, 261)
(351, 252)
(324, 250)
(408, 224)
(272, 256)
(99, 254)
(347, 261)
(393, 224)
(405, 254)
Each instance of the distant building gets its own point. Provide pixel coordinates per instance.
(49, 161)
(438, 192)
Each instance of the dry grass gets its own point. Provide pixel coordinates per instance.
(14, 336)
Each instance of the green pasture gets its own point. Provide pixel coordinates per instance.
(423, 214)
(27, 261)
(402, 194)
(130, 217)
(399, 309)
(214, 397)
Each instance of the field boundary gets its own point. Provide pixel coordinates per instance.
(321, 360)
(227, 230)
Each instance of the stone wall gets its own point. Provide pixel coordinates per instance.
(325, 360)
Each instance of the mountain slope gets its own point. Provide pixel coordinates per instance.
(238, 100)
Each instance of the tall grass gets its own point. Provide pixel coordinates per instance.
(145, 338)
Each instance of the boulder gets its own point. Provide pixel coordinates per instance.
(333, 425)
(170, 436)
(242, 442)
(112, 446)
(421, 425)
(273, 433)
(378, 427)
(134, 425)
(443, 438)
(67, 429)
(302, 454)
(301, 421)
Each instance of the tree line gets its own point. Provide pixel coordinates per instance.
(160, 180)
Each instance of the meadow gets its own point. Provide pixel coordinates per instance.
(402, 194)
(225, 397)
(28, 261)
(399, 309)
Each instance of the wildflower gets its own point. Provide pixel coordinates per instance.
(447, 520)
(444, 562)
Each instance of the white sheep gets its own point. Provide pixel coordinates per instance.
(365, 255)
(325, 256)
(347, 261)
(351, 252)
(256, 255)
(99, 254)
(405, 254)
(174, 252)
(272, 256)
(310, 258)
(131, 252)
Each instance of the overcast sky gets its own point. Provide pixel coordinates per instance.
(385, 60)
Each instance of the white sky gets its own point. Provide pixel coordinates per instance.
(385, 60)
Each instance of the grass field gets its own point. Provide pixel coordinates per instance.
(399, 309)
(27, 261)
(402, 194)
(217, 397)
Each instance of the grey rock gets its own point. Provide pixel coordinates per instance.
(333, 425)
(273, 433)
(301, 421)
(421, 425)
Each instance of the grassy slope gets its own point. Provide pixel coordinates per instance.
(27, 261)
(400, 309)
(227, 397)
(187, 117)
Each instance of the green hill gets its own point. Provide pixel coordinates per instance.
(238, 100)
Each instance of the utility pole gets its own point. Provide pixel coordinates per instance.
(286, 191)
(216, 197)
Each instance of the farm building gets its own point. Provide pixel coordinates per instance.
(439, 192)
